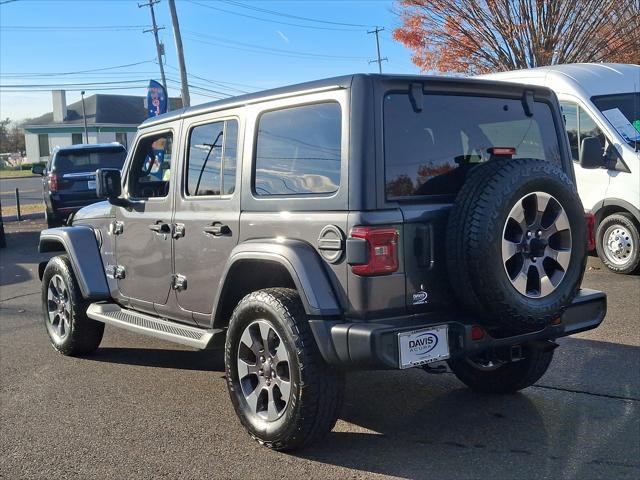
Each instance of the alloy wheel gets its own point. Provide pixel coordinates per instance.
(58, 309)
(264, 370)
(536, 245)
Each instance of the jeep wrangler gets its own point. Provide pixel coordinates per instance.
(360, 222)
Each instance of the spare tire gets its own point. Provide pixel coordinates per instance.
(516, 244)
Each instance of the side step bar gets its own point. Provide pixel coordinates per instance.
(113, 314)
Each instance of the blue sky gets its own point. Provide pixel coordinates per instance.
(221, 43)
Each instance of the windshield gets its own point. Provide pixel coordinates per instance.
(431, 152)
(87, 160)
(623, 112)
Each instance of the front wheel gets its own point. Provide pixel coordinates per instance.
(64, 309)
(283, 392)
(491, 376)
(618, 243)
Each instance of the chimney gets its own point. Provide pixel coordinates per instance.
(59, 105)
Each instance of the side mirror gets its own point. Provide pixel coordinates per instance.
(591, 155)
(109, 185)
(38, 169)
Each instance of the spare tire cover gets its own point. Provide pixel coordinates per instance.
(516, 244)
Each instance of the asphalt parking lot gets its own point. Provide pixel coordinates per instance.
(142, 408)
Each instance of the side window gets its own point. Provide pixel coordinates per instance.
(150, 172)
(570, 113)
(298, 150)
(588, 128)
(211, 164)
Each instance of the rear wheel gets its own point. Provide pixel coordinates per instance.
(70, 330)
(492, 376)
(281, 389)
(618, 243)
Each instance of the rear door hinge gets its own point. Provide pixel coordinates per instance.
(115, 271)
(178, 282)
(117, 227)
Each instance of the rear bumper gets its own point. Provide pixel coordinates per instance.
(374, 345)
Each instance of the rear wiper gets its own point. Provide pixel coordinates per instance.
(527, 103)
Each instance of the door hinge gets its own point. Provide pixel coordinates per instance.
(117, 227)
(178, 282)
(115, 271)
(178, 230)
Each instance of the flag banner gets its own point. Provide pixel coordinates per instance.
(156, 99)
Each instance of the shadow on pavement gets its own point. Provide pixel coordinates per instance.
(204, 360)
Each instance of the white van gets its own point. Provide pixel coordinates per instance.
(601, 100)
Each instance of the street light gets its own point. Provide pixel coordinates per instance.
(84, 118)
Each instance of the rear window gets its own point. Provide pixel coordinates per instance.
(87, 160)
(431, 152)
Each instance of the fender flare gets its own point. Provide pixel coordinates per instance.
(303, 263)
(617, 202)
(80, 244)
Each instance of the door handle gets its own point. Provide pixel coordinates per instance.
(160, 227)
(217, 229)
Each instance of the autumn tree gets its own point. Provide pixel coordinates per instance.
(474, 36)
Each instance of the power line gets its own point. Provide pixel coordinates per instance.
(60, 85)
(75, 28)
(86, 71)
(273, 21)
(272, 51)
(78, 89)
(275, 50)
(296, 17)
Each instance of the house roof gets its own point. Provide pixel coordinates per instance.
(102, 109)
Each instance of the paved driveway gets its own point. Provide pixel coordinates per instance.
(142, 408)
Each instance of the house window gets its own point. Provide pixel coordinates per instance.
(121, 138)
(76, 138)
(43, 144)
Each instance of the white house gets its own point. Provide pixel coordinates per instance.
(110, 118)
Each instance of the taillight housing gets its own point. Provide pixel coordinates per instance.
(53, 182)
(382, 250)
(591, 230)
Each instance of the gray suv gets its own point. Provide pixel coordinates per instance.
(361, 222)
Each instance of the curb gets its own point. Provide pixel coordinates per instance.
(19, 177)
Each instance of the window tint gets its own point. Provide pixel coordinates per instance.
(211, 165)
(298, 150)
(86, 159)
(432, 151)
(150, 172)
(588, 128)
(579, 125)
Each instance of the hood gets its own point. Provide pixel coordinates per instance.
(96, 210)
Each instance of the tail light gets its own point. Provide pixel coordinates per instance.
(53, 182)
(382, 251)
(591, 230)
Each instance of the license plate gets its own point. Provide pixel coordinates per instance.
(91, 184)
(423, 346)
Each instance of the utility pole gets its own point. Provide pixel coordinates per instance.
(84, 118)
(186, 101)
(159, 45)
(379, 60)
